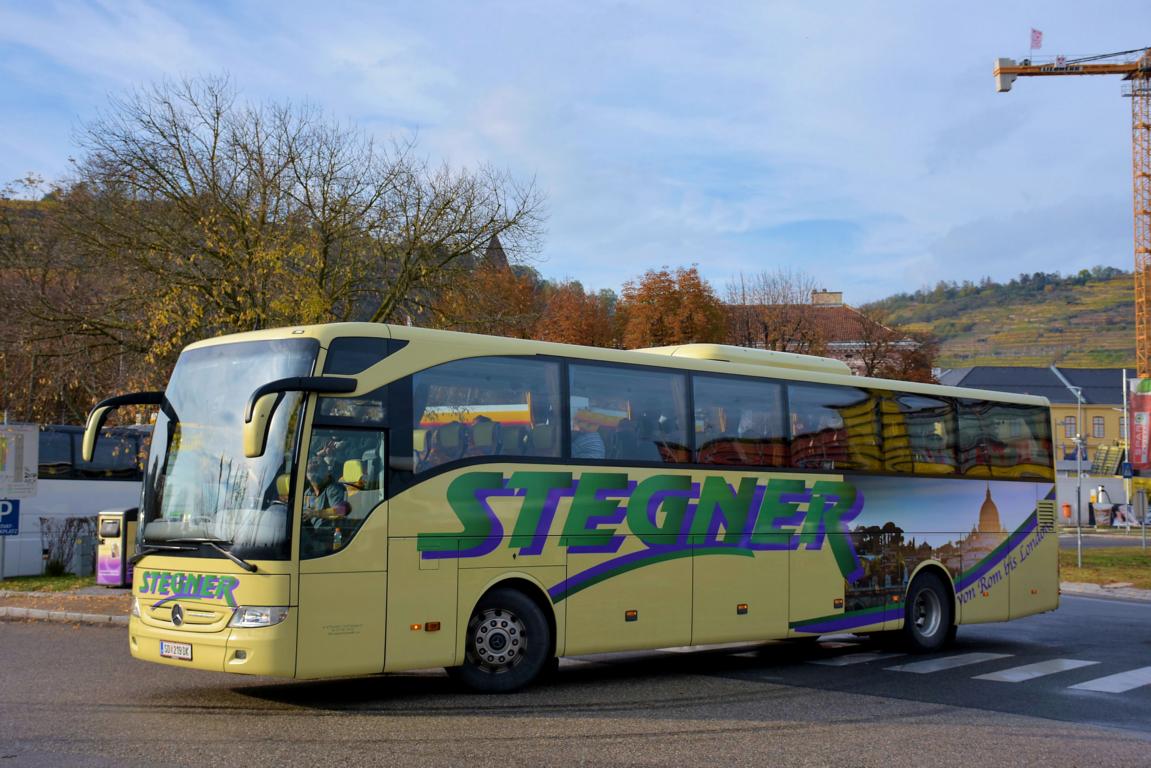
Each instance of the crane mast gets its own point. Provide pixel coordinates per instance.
(1135, 68)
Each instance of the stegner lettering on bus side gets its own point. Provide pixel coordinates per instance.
(662, 511)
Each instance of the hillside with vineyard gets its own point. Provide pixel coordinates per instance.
(1082, 320)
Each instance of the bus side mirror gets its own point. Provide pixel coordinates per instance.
(255, 431)
(99, 415)
(96, 420)
(262, 405)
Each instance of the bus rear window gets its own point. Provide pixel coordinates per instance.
(1004, 440)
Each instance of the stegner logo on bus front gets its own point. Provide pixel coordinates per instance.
(673, 516)
(182, 586)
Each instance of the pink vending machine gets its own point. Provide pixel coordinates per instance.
(117, 534)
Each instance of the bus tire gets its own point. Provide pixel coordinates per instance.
(929, 614)
(508, 643)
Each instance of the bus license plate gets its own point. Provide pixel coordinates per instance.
(182, 651)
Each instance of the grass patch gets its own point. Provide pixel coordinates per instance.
(64, 583)
(1110, 565)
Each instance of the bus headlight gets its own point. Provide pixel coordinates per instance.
(258, 616)
(136, 607)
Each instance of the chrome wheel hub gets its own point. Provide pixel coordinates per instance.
(498, 639)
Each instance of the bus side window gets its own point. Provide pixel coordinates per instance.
(926, 433)
(485, 407)
(344, 476)
(55, 453)
(739, 422)
(1005, 440)
(834, 427)
(628, 414)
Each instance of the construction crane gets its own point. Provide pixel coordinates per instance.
(1135, 67)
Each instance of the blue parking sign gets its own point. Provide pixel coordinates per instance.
(9, 517)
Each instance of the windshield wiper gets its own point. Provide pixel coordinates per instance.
(151, 549)
(215, 544)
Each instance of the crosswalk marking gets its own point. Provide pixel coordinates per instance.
(947, 662)
(1032, 671)
(1124, 681)
(855, 658)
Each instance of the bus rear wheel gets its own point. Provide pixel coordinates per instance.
(928, 623)
(508, 643)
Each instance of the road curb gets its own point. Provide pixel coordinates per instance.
(1081, 589)
(66, 617)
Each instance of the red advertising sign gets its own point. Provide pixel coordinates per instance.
(1139, 424)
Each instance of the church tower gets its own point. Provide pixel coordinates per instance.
(989, 515)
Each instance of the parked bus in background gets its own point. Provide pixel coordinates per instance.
(68, 486)
(360, 498)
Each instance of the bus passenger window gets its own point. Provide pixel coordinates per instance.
(834, 427)
(739, 422)
(485, 407)
(920, 436)
(628, 414)
(55, 453)
(1004, 440)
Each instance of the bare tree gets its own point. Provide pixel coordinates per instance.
(52, 362)
(192, 213)
(773, 310)
(877, 343)
(238, 216)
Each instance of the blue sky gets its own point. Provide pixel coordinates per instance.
(861, 143)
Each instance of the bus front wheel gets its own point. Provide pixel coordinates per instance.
(508, 643)
(929, 620)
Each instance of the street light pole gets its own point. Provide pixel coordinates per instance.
(1078, 475)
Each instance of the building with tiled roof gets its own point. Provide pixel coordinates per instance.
(833, 329)
(848, 332)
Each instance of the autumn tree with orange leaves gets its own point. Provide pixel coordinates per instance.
(664, 307)
(495, 299)
(573, 316)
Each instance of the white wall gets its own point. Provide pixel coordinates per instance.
(60, 498)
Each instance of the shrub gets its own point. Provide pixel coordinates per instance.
(58, 538)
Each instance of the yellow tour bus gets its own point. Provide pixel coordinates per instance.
(356, 499)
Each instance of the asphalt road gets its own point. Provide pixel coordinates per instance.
(73, 696)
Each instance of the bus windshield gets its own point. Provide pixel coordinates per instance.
(199, 485)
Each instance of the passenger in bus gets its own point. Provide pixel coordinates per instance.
(647, 438)
(587, 443)
(324, 498)
(333, 450)
(753, 444)
(752, 424)
(624, 446)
